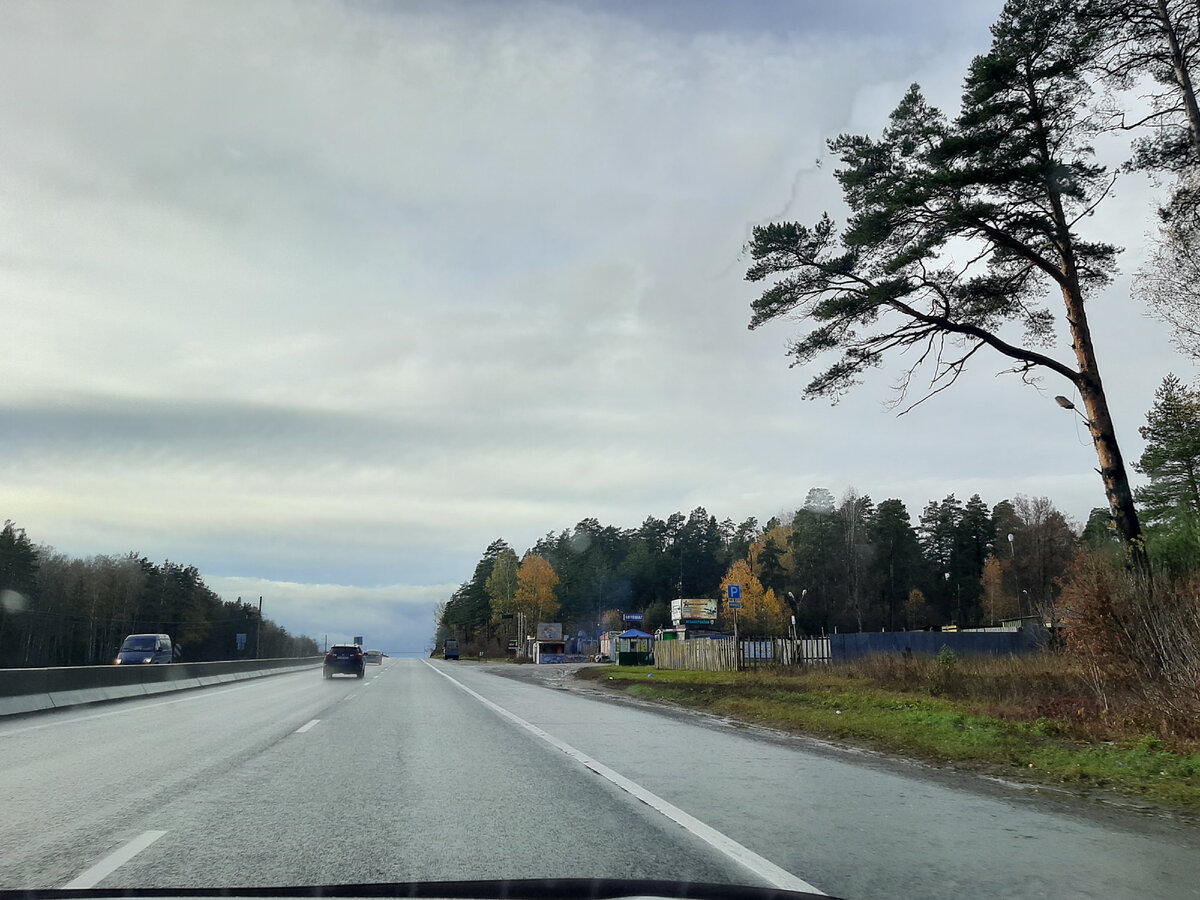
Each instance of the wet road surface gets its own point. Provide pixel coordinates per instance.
(428, 770)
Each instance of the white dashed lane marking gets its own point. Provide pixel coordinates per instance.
(114, 861)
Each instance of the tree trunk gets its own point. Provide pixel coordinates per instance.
(1087, 381)
(1180, 66)
(1099, 421)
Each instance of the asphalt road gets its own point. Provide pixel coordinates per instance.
(428, 770)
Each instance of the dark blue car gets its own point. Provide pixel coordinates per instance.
(345, 659)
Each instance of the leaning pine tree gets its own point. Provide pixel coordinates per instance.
(956, 230)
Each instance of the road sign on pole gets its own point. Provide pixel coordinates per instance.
(735, 603)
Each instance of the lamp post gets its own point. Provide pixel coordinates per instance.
(1012, 553)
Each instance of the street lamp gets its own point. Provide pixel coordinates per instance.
(1067, 404)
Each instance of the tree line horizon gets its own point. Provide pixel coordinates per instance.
(58, 611)
(848, 564)
(834, 565)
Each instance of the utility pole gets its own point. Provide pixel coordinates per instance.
(258, 628)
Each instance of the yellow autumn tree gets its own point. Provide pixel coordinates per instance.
(779, 555)
(996, 601)
(916, 610)
(762, 613)
(502, 584)
(611, 620)
(536, 583)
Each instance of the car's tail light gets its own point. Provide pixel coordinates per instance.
(331, 655)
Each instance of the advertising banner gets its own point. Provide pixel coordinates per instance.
(693, 611)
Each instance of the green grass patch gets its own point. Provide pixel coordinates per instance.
(922, 722)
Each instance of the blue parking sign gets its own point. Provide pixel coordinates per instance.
(735, 592)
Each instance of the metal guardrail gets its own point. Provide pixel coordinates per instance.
(33, 690)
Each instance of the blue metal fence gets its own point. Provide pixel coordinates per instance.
(963, 643)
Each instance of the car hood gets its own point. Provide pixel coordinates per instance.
(519, 889)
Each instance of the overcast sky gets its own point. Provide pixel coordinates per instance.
(323, 298)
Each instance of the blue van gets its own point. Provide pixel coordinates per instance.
(143, 649)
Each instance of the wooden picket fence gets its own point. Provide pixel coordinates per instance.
(720, 655)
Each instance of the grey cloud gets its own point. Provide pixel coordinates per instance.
(340, 293)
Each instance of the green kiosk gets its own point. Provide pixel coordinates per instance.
(635, 648)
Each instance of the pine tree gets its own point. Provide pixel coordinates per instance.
(956, 230)
(1172, 455)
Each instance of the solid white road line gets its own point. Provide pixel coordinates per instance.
(114, 861)
(742, 855)
(306, 726)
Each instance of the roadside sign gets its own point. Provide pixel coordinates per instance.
(241, 641)
(635, 617)
(358, 639)
(735, 604)
(693, 610)
(735, 593)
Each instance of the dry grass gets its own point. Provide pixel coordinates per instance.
(1032, 688)
(1031, 717)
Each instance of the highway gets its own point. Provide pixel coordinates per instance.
(428, 770)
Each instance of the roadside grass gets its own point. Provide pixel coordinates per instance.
(1025, 718)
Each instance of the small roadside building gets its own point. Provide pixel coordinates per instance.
(549, 652)
(635, 648)
(608, 645)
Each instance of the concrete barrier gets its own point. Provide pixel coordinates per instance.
(34, 690)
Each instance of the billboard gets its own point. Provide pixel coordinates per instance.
(693, 611)
(549, 631)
